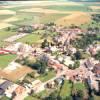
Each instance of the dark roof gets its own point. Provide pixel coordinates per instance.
(1, 91)
(5, 85)
(88, 63)
(97, 68)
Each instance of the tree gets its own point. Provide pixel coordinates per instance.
(43, 67)
(77, 64)
(70, 66)
(9, 28)
(52, 96)
(45, 43)
(80, 94)
(97, 56)
(78, 55)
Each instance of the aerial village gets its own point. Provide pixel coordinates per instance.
(57, 56)
(63, 63)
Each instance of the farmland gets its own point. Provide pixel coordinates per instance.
(62, 13)
(70, 8)
(5, 34)
(31, 38)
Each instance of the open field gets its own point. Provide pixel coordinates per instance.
(47, 76)
(28, 18)
(95, 7)
(76, 19)
(5, 34)
(5, 60)
(4, 25)
(11, 19)
(69, 8)
(43, 12)
(7, 12)
(31, 38)
(66, 89)
(3, 17)
(64, 13)
(15, 74)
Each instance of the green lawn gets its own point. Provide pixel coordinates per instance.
(36, 96)
(79, 86)
(66, 89)
(47, 76)
(6, 59)
(5, 34)
(31, 38)
(5, 98)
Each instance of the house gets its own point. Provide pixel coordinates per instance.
(58, 66)
(59, 81)
(19, 93)
(4, 86)
(92, 50)
(96, 70)
(89, 64)
(50, 85)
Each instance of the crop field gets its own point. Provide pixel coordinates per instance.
(45, 13)
(3, 17)
(61, 13)
(70, 8)
(31, 38)
(77, 19)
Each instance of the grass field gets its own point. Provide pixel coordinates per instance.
(79, 86)
(47, 76)
(66, 89)
(27, 18)
(31, 38)
(70, 8)
(41, 95)
(3, 17)
(6, 59)
(5, 34)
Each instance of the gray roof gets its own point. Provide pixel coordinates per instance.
(1, 91)
(5, 85)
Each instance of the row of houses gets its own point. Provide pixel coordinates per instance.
(11, 90)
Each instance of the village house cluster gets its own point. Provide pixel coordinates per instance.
(57, 56)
